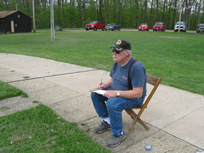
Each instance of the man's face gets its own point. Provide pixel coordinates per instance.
(120, 56)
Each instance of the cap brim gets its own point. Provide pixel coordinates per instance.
(118, 48)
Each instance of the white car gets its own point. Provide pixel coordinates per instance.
(183, 26)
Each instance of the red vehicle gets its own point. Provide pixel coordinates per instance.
(159, 26)
(94, 25)
(143, 27)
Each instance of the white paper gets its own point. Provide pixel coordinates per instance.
(101, 92)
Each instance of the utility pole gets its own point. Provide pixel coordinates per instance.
(33, 16)
(52, 21)
(181, 9)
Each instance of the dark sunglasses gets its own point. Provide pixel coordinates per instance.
(117, 52)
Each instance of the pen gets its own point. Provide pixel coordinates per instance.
(101, 83)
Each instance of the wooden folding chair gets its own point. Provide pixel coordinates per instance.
(136, 117)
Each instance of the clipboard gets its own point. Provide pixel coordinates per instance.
(98, 91)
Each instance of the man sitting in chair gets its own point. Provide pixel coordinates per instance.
(119, 95)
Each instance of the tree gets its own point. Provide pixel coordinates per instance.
(83, 12)
(163, 11)
(100, 11)
(106, 11)
(137, 13)
(157, 14)
(174, 19)
(59, 11)
(120, 8)
(145, 11)
(194, 23)
(150, 18)
(199, 11)
(128, 13)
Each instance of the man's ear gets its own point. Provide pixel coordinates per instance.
(128, 52)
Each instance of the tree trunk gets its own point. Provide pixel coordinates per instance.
(165, 17)
(44, 5)
(186, 12)
(163, 11)
(194, 23)
(137, 13)
(145, 11)
(150, 18)
(189, 13)
(157, 15)
(189, 19)
(174, 20)
(59, 5)
(199, 12)
(64, 20)
(114, 10)
(120, 7)
(100, 11)
(73, 14)
(168, 19)
(83, 13)
(7, 7)
(106, 10)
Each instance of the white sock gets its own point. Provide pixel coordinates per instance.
(107, 120)
(122, 133)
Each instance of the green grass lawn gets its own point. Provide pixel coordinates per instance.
(39, 129)
(178, 58)
(8, 91)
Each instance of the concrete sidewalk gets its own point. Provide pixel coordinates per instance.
(175, 117)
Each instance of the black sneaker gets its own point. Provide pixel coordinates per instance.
(102, 128)
(115, 140)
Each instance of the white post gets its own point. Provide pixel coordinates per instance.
(52, 21)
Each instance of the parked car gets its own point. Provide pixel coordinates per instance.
(200, 28)
(159, 26)
(94, 25)
(143, 27)
(113, 26)
(183, 26)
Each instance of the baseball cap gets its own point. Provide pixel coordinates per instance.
(121, 45)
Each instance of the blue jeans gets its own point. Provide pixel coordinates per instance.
(112, 108)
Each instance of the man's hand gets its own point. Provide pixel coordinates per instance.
(102, 86)
(105, 86)
(110, 93)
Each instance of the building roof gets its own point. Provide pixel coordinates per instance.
(3, 14)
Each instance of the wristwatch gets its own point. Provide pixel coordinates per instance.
(118, 93)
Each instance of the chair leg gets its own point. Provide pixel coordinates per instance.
(136, 118)
(135, 121)
(141, 122)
